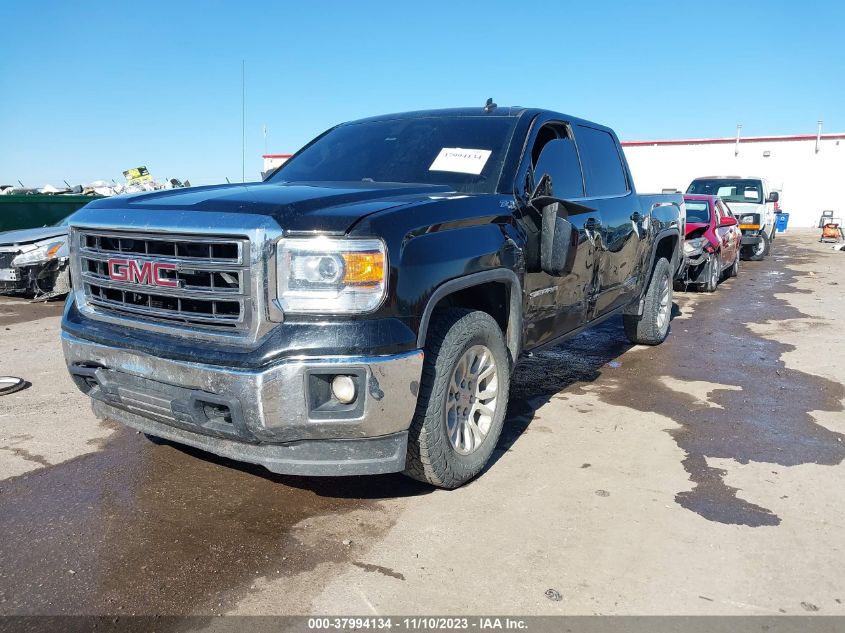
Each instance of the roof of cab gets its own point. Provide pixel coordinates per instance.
(498, 111)
(729, 178)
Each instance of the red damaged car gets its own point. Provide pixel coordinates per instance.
(713, 242)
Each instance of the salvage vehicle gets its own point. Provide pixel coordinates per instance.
(35, 261)
(754, 205)
(361, 310)
(713, 242)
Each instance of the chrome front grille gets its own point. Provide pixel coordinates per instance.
(196, 281)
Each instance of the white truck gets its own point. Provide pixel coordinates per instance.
(753, 204)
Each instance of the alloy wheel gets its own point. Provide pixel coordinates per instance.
(665, 303)
(472, 399)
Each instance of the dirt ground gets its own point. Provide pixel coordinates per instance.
(703, 476)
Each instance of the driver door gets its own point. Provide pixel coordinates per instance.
(557, 305)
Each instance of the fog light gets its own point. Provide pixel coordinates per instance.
(343, 388)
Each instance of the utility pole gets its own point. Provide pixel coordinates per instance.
(243, 120)
(738, 132)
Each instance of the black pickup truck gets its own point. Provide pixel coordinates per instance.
(362, 309)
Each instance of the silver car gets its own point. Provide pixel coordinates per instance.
(35, 261)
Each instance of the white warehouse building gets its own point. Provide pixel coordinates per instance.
(808, 171)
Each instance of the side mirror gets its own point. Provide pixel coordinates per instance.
(558, 241)
(728, 221)
(774, 196)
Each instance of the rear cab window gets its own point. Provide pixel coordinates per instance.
(603, 171)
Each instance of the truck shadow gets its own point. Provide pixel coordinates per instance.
(364, 487)
(539, 377)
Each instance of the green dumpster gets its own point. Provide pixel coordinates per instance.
(26, 211)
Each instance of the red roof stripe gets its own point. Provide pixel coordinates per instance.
(276, 155)
(745, 139)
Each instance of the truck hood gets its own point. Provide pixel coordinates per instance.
(27, 236)
(330, 207)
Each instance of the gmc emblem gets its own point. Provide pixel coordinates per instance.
(147, 273)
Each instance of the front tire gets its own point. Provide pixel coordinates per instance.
(734, 270)
(714, 272)
(652, 327)
(463, 398)
(759, 251)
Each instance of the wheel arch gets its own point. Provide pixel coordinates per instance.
(665, 244)
(497, 291)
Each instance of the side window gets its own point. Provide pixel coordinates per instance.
(559, 159)
(603, 169)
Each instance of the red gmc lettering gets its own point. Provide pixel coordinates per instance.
(163, 281)
(118, 269)
(142, 274)
(147, 273)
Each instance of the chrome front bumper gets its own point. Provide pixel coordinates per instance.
(251, 414)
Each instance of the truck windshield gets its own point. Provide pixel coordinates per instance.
(697, 211)
(464, 153)
(729, 189)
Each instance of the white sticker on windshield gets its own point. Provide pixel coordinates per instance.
(751, 193)
(462, 161)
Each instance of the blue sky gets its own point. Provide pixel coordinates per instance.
(92, 88)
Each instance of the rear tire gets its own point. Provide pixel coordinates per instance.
(652, 326)
(463, 398)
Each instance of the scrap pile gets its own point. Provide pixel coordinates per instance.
(96, 188)
(34, 253)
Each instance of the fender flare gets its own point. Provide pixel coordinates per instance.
(636, 307)
(676, 254)
(513, 334)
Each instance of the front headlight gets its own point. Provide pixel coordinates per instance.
(328, 275)
(694, 245)
(38, 255)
